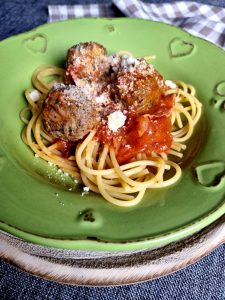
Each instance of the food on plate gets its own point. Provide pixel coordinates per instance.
(87, 63)
(139, 85)
(110, 121)
(69, 113)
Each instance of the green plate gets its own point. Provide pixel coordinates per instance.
(36, 203)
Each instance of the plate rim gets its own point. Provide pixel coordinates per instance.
(150, 265)
(93, 245)
(111, 19)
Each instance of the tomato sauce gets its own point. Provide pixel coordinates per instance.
(145, 135)
(141, 134)
(67, 148)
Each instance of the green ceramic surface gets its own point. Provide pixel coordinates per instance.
(35, 201)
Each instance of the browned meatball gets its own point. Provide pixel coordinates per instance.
(87, 62)
(69, 113)
(139, 85)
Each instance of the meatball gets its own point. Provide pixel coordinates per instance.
(87, 62)
(69, 113)
(139, 85)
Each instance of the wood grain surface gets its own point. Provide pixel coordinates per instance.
(110, 268)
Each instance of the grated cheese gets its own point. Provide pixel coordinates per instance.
(85, 191)
(170, 84)
(101, 99)
(116, 120)
(34, 95)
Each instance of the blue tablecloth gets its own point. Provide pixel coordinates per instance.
(203, 280)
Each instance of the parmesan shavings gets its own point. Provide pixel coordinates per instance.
(116, 120)
(85, 190)
(34, 95)
(170, 84)
(101, 99)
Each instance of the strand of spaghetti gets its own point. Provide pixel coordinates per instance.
(175, 146)
(87, 182)
(30, 126)
(90, 156)
(102, 157)
(120, 196)
(194, 103)
(44, 148)
(101, 164)
(108, 161)
(107, 185)
(103, 154)
(139, 174)
(23, 136)
(80, 158)
(72, 171)
(47, 137)
(56, 152)
(23, 113)
(53, 146)
(61, 163)
(186, 87)
(191, 89)
(164, 156)
(107, 196)
(121, 190)
(196, 106)
(91, 160)
(111, 181)
(127, 203)
(171, 180)
(173, 118)
(173, 91)
(39, 85)
(181, 85)
(179, 146)
(129, 172)
(111, 188)
(175, 153)
(101, 182)
(34, 105)
(116, 194)
(187, 130)
(178, 119)
(131, 182)
(191, 100)
(187, 108)
(199, 111)
(43, 71)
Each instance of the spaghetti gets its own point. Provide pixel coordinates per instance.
(94, 163)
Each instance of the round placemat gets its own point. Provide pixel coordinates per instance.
(92, 268)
